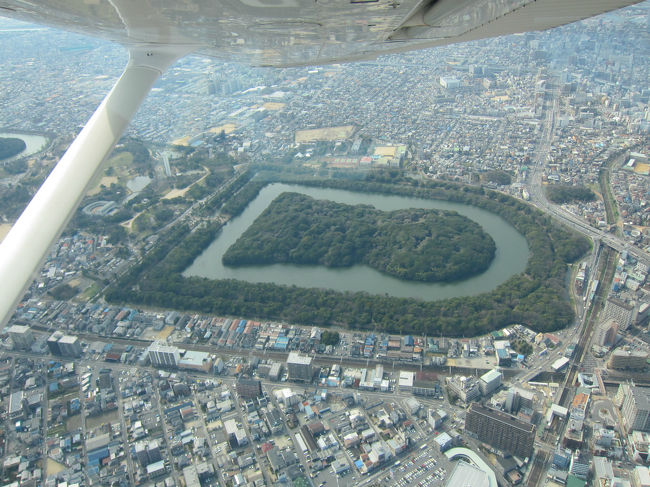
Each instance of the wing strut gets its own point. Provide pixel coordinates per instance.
(26, 245)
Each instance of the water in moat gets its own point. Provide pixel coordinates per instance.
(511, 250)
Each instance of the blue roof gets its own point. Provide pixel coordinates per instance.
(96, 456)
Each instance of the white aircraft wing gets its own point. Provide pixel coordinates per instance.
(295, 32)
(259, 32)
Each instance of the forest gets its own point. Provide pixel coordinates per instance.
(537, 297)
(411, 244)
(564, 193)
(10, 146)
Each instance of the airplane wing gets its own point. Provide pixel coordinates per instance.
(302, 32)
(259, 32)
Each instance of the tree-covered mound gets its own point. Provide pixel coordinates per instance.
(411, 244)
(10, 146)
(537, 297)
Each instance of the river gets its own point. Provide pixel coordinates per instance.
(511, 254)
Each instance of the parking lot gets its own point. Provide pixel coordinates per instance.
(421, 469)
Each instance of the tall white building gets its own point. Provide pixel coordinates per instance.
(21, 336)
(299, 367)
(635, 406)
(162, 355)
(70, 346)
(489, 382)
(619, 311)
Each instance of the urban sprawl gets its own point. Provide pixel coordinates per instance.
(98, 394)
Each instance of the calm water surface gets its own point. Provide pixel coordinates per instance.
(34, 143)
(510, 258)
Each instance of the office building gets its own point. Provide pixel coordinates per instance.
(249, 388)
(21, 336)
(500, 430)
(562, 458)
(635, 406)
(518, 398)
(606, 333)
(147, 453)
(69, 346)
(53, 343)
(64, 345)
(619, 311)
(449, 82)
(580, 465)
(641, 477)
(489, 382)
(465, 388)
(275, 371)
(299, 367)
(624, 359)
(162, 355)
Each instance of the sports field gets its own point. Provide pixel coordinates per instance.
(326, 134)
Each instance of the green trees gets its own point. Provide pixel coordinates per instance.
(498, 176)
(536, 297)
(330, 337)
(413, 244)
(10, 146)
(564, 193)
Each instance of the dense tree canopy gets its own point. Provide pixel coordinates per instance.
(498, 176)
(537, 297)
(412, 244)
(10, 146)
(564, 193)
(330, 337)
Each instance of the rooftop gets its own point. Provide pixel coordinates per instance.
(491, 375)
(502, 417)
(641, 397)
(297, 358)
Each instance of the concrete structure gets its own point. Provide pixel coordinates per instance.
(21, 336)
(406, 380)
(579, 466)
(162, 355)
(64, 345)
(195, 360)
(53, 343)
(466, 388)
(299, 367)
(641, 477)
(635, 407)
(449, 82)
(489, 382)
(467, 475)
(249, 388)
(70, 346)
(640, 443)
(560, 364)
(500, 430)
(518, 398)
(624, 359)
(619, 311)
(16, 410)
(464, 476)
(274, 372)
(606, 333)
(426, 387)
